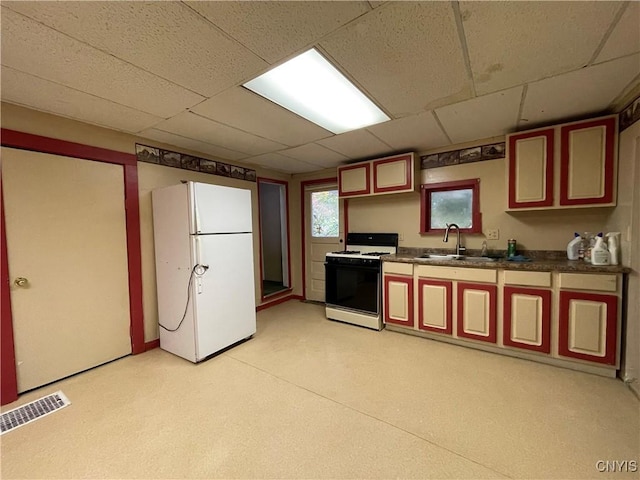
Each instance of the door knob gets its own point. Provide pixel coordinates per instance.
(21, 282)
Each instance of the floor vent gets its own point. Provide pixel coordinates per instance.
(32, 411)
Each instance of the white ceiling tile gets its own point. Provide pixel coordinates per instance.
(358, 144)
(393, 52)
(558, 98)
(625, 38)
(165, 38)
(281, 163)
(316, 155)
(417, 133)
(31, 47)
(275, 30)
(247, 111)
(191, 144)
(30, 91)
(511, 43)
(193, 126)
(482, 117)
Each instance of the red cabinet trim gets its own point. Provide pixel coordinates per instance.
(545, 295)
(548, 197)
(448, 288)
(367, 189)
(609, 162)
(409, 179)
(493, 292)
(611, 302)
(409, 281)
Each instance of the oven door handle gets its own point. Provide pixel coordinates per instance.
(355, 267)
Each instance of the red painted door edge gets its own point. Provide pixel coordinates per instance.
(37, 143)
(9, 382)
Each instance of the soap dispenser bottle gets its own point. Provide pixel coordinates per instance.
(599, 253)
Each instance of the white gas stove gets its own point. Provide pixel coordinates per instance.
(353, 286)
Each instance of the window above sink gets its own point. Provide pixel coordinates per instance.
(450, 202)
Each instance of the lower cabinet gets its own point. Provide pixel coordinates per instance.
(527, 318)
(477, 311)
(435, 305)
(588, 326)
(398, 300)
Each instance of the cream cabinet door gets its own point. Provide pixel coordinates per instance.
(434, 305)
(476, 311)
(527, 318)
(398, 300)
(531, 169)
(354, 180)
(393, 174)
(588, 324)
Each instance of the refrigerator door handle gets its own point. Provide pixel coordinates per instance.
(198, 250)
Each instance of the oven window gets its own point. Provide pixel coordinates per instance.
(353, 287)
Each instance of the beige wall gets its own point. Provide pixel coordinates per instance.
(150, 176)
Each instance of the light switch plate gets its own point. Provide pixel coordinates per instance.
(493, 234)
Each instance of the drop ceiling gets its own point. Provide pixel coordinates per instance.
(445, 72)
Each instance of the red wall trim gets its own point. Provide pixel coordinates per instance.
(286, 185)
(448, 329)
(9, 384)
(409, 168)
(37, 143)
(278, 302)
(367, 188)
(611, 302)
(493, 292)
(545, 295)
(425, 204)
(548, 195)
(151, 345)
(303, 231)
(387, 316)
(609, 163)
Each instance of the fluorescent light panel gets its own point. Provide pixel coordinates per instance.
(314, 89)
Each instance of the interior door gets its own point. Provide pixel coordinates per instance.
(324, 232)
(66, 242)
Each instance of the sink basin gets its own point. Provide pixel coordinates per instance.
(456, 257)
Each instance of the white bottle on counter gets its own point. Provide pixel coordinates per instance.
(613, 242)
(599, 253)
(573, 247)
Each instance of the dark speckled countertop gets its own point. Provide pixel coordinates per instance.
(537, 264)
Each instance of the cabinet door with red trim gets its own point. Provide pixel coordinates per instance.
(476, 311)
(354, 180)
(394, 174)
(398, 300)
(434, 305)
(588, 326)
(587, 162)
(530, 156)
(527, 318)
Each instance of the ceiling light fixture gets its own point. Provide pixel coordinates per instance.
(314, 89)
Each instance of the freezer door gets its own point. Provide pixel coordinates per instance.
(224, 295)
(217, 209)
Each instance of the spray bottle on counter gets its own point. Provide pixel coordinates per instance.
(573, 248)
(613, 242)
(599, 253)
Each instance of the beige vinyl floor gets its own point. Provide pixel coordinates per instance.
(312, 398)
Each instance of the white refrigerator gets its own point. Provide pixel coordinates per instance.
(204, 268)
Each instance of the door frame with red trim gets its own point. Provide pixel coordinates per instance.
(37, 143)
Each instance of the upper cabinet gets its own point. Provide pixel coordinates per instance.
(395, 174)
(569, 165)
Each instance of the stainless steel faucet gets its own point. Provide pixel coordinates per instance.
(459, 248)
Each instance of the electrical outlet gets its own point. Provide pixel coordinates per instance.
(400, 237)
(493, 234)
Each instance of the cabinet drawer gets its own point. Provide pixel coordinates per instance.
(398, 268)
(455, 273)
(532, 279)
(588, 281)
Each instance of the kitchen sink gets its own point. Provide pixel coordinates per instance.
(457, 257)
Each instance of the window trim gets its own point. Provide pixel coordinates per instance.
(425, 204)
